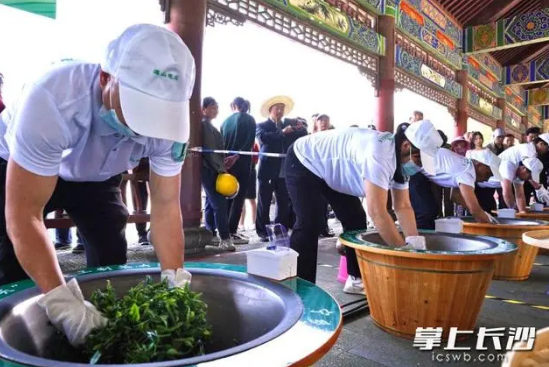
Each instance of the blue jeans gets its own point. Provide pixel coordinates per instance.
(64, 236)
(216, 213)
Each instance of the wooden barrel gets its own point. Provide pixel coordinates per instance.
(438, 287)
(518, 265)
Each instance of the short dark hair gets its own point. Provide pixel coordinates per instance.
(533, 130)
(509, 135)
(418, 113)
(208, 101)
(241, 104)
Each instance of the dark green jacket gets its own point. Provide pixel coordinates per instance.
(238, 132)
(212, 139)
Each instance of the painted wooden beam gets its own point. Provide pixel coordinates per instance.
(535, 71)
(538, 97)
(511, 32)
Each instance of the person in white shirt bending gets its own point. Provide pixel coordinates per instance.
(340, 166)
(457, 172)
(520, 156)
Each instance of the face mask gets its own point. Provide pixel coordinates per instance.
(410, 168)
(110, 117)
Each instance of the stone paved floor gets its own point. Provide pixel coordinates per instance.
(361, 343)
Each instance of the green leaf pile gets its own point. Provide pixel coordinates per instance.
(151, 323)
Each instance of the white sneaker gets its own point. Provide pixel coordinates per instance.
(227, 245)
(354, 285)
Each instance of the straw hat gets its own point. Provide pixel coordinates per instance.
(286, 101)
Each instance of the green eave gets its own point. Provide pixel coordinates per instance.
(41, 7)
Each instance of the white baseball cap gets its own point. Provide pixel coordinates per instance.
(544, 137)
(156, 73)
(488, 158)
(426, 138)
(535, 166)
(498, 132)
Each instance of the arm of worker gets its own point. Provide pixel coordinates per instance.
(37, 138)
(508, 196)
(215, 161)
(376, 202)
(520, 197)
(404, 212)
(471, 202)
(26, 196)
(166, 232)
(456, 197)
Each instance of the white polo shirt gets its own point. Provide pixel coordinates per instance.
(345, 158)
(55, 129)
(511, 158)
(452, 170)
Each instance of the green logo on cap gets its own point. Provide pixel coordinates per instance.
(166, 75)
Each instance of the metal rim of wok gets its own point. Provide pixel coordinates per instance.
(526, 223)
(292, 304)
(354, 239)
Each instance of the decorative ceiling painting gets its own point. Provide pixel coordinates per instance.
(533, 72)
(522, 29)
(331, 19)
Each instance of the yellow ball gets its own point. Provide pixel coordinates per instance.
(227, 185)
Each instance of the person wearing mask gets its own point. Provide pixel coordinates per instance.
(374, 162)
(216, 214)
(521, 156)
(65, 144)
(508, 141)
(275, 135)
(238, 132)
(460, 174)
(531, 134)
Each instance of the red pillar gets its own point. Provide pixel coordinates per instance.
(188, 20)
(385, 95)
(461, 115)
(501, 104)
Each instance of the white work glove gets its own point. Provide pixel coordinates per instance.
(543, 195)
(415, 242)
(70, 313)
(491, 218)
(177, 278)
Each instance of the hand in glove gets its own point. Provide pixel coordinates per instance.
(543, 195)
(70, 313)
(415, 242)
(491, 218)
(178, 278)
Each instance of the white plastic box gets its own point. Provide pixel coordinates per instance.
(537, 207)
(506, 213)
(449, 225)
(273, 264)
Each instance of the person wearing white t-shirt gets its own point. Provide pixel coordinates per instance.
(514, 158)
(457, 172)
(342, 165)
(64, 146)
